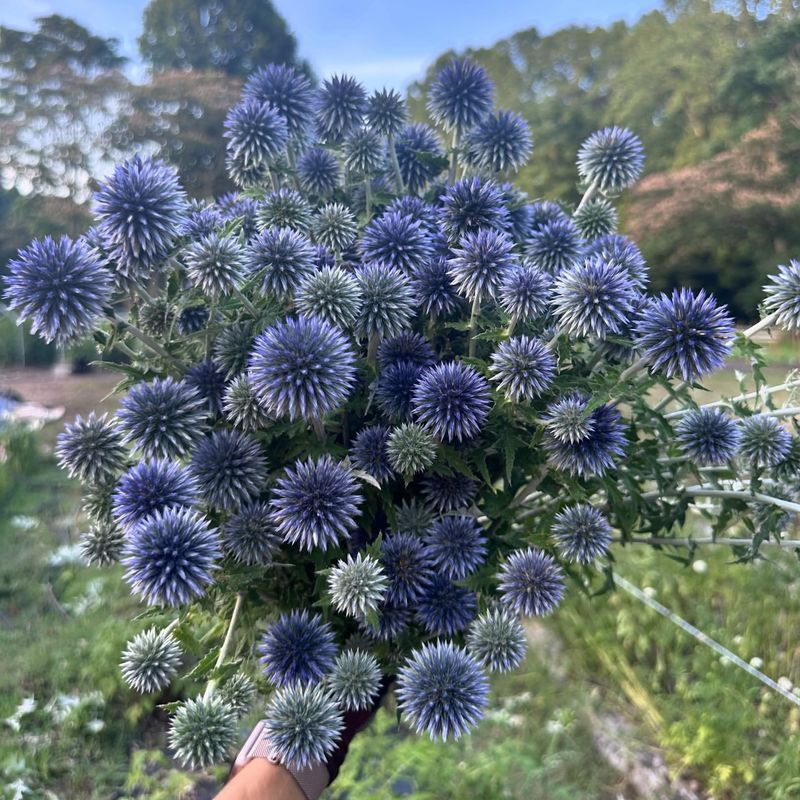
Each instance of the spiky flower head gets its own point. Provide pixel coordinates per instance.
(249, 535)
(214, 264)
(102, 544)
(415, 207)
(685, 334)
(708, 436)
(595, 219)
(288, 91)
(398, 241)
(363, 152)
(471, 204)
(285, 208)
(386, 112)
(334, 226)
(201, 220)
(499, 142)
(369, 452)
(581, 533)
(91, 449)
(407, 346)
(544, 211)
(341, 105)
(208, 378)
(456, 546)
(783, 296)
(355, 681)
(764, 442)
(442, 690)
(246, 174)
(480, 263)
(315, 503)
(238, 693)
(152, 486)
(241, 210)
(357, 585)
(395, 387)
(192, 319)
(523, 368)
(618, 249)
(519, 210)
(169, 557)
(443, 608)
(156, 317)
(452, 401)
(411, 449)
(460, 94)
(97, 500)
(332, 294)
(242, 406)
(788, 468)
(497, 641)
(280, 258)
(141, 209)
(411, 516)
(407, 568)
(388, 301)
(531, 582)
(419, 155)
(445, 493)
(202, 732)
(302, 367)
(256, 132)
(150, 661)
(303, 725)
(318, 171)
(611, 159)
(392, 622)
(434, 288)
(555, 246)
(60, 286)
(525, 292)
(298, 647)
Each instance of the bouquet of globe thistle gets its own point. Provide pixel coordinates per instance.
(379, 406)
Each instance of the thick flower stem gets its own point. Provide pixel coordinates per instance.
(319, 429)
(368, 195)
(735, 494)
(590, 192)
(759, 326)
(209, 339)
(226, 645)
(292, 166)
(451, 175)
(740, 398)
(660, 541)
(511, 325)
(398, 176)
(633, 369)
(372, 348)
(251, 309)
(473, 325)
(147, 340)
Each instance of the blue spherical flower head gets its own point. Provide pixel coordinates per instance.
(152, 486)
(91, 449)
(519, 210)
(297, 648)
(444, 493)
(406, 346)
(394, 389)
(456, 546)
(593, 298)
(164, 418)
(386, 112)
(230, 469)
(407, 567)
(416, 208)
(192, 319)
(357, 585)
(499, 142)
(302, 368)
(452, 401)
(419, 155)
(315, 503)
(460, 94)
(364, 152)
(764, 442)
(208, 378)
(684, 334)
(442, 690)
(285, 208)
(388, 301)
(497, 640)
(480, 263)
(471, 204)
(582, 534)
(397, 241)
(288, 91)
(214, 264)
(242, 211)
(611, 159)
(596, 219)
(246, 174)
(141, 208)
(531, 582)
(332, 294)
(525, 292)
(443, 608)
(355, 681)
(555, 246)
(708, 436)
(369, 452)
(335, 227)
(201, 220)
(60, 286)
(169, 557)
(434, 288)
(249, 535)
(617, 249)
(523, 367)
(783, 296)
(392, 623)
(281, 258)
(318, 171)
(341, 105)
(256, 133)
(544, 211)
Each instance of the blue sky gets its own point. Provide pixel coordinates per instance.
(383, 42)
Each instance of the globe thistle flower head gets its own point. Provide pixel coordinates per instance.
(238, 693)
(411, 449)
(242, 406)
(102, 544)
(568, 420)
(595, 219)
(234, 207)
(324, 257)
(169, 557)
(156, 318)
(442, 690)
(59, 286)
(456, 546)
(460, 95)
(523, 367)
(593, 298)
(331, 294)
(355, 681)
(302, 368)
(581, 533)
(202, 732)
(394, 389)
(150, 661)
(396, 240)
(208, 378)
(201, 220)
(388, 301)
(499, 142)
(141, 209)
(298, 648)
(764, 442)
(249, 535)
(285, 208)
(357, 585)
(315, 503)
(363, 152)
(280, 258)
(684, 334)
(369, 452)
(341, 105)
(452, 401)
(413, 517)
(334, 226)
(531, 582)
(232, 347)
(708, 436)
(480, 263)
(555, 246)
(192, 319)
(246, 174)
(407, 567)
(318, 171)
(788, 468)
(410, 206)
(256, 132)
(289, 93)
(91, 449)
(302, 725)
(525, 292)
(393, 621)
(152, 486)
(469, 205)
(434, 288)
(443, 608)
(445, 493)
(519, 210)
(214, 264)
(407, 346)
(97, 500)
(419, 155)
(783, 296)
(386, 112)
(544, 211)
(497, 641)
(611, 159)
(620, 250)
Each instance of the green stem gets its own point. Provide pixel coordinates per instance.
(147, 340)
(398, 176)
(658, 541)
(372, 348)
(451, 176)
(368, 194)
(473, 325)
(226, 644)
(319, 429)
(511, 326)
(211, 312)
(292, 166)
(251, 309)
(590, 192)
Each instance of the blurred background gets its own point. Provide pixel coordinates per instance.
(613, 702)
